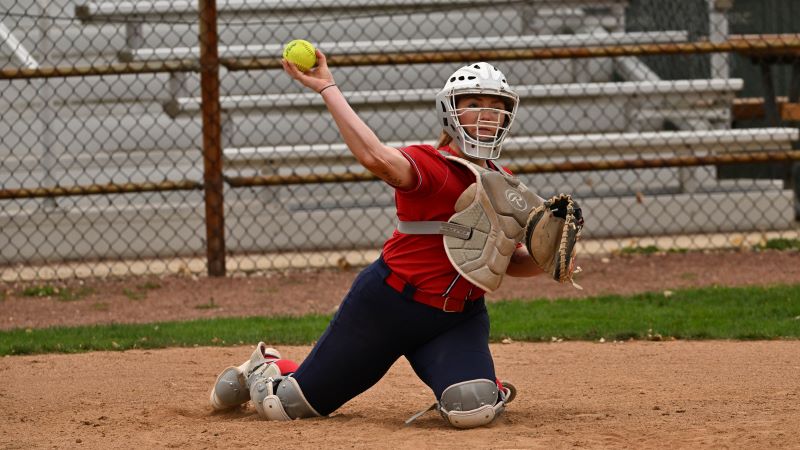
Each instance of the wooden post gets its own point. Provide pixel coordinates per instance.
(794, 84)
(212, 142)
(771, 111)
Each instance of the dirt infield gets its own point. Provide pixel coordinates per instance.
(586, 395)
(673, 394)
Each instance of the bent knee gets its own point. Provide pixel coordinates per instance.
(471, 404)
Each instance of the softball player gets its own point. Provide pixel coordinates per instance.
(418, 299)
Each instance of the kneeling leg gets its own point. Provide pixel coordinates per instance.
(472, 403)
(458, 367)
(231, 388)
(278, 398)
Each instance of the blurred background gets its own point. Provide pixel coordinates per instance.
(136, 141)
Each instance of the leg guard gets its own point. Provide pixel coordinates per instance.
(230, 389)
(278, 398)
(506, 391)
(472, 403)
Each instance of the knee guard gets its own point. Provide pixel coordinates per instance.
(231, 387)
(277, 397)
(472, 403)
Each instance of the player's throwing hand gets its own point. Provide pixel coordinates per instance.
(316, 78)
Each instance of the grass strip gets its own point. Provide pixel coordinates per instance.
(213, 332)
(707, 313)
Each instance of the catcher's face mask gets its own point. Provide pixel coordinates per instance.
(483, 118)
(478, 130)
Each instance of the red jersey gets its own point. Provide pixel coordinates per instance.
(420, 259)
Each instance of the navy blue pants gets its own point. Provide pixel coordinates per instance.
(375, 325)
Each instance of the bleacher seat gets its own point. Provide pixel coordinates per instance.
(509, 42)
(699, 94)
(319, 158)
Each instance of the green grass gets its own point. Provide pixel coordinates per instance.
(70, 294)
(708, 313)
(39, 291)
(100, 306)
(140, 292)
(209, 305)
(65, 294)
(780, 244)
(647, 250)
(218, 332)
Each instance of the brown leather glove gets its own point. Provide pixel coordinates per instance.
(551, 236)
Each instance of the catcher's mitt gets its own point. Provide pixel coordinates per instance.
(552, 231)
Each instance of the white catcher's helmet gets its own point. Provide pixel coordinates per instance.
(477, 79)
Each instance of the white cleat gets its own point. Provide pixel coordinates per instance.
(230, 389)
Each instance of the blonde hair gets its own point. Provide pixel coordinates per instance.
(444, 139)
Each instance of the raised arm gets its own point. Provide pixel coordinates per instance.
(387, 163)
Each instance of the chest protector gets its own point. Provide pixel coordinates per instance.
(490, 220)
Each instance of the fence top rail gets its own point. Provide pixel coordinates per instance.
(606, 144)
(413, 46)
(170, 10)
(750, 45)
(543, 92)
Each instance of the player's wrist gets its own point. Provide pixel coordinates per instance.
(326, 86)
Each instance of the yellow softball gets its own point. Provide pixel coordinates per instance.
(301, 53)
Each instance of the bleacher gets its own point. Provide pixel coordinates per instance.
(570, 110)
(705, 97)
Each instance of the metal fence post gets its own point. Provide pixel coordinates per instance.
(212, 143)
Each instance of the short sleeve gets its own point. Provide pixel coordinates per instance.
(430, 168)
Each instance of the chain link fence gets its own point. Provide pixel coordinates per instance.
(662, 118)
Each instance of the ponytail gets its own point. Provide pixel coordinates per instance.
(444, 139)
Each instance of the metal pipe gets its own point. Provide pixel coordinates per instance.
(17, 49)
(99, 69)
(566, 166)
(99, 189)
(212, 141)
(770, 104)
(718, 30)
(674, 161)
(45, 94)
(747, 44)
